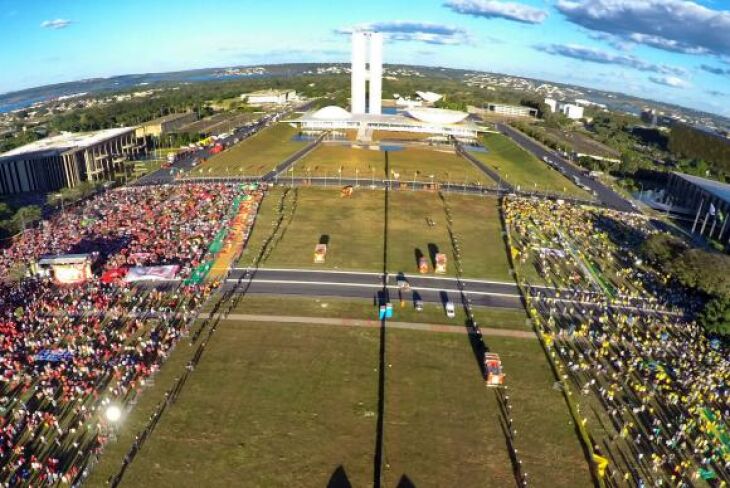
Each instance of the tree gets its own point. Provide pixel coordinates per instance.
(661, 249)
(629, 163)
(715, 317)
(707, 272)
(27, 215)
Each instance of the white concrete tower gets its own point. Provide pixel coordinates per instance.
(357, 84)
(367, 47)
(376, 73)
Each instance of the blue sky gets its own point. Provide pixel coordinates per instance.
(671, 50)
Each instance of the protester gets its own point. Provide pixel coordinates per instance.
(69, 351)
(620, 331)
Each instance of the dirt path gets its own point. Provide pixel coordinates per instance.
(451, 329)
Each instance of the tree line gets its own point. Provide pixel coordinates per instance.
(691, 143)
(706, 273)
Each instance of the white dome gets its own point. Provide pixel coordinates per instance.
(331, 112)
(437, 115)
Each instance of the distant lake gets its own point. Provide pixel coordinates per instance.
(9, 107)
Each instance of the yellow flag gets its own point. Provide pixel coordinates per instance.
(601, 465)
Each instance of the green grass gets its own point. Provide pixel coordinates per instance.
(476, 225)
(279, 405)
(271, 405)
(444, 165)
(352, 226)
(522, 169)
(355, 229)
(328, 307)
(327, 160)
(256, 155)
(441, 423)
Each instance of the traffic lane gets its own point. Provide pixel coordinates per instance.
(165, 175)
(431, 295)
(372, 279)
(605, 194)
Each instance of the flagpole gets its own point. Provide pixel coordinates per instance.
(697, 217)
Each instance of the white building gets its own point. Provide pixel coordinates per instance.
(424, 120)
(512, 110)
(429, 97)
(570, 110)
(270, 97)
(360, 75)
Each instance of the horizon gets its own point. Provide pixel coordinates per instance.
(591, 46)
(347, 63)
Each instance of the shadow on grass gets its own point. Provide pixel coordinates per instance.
(339, 479)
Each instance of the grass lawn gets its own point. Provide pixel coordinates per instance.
(256, 155)
(327, 159)
(445, 165)
(521, 168)
(353, 228)
(442, 425)
(280, 405)
(476, 226)
(271, 405)
(329, 307)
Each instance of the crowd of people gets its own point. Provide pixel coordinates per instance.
(622, 335)
(71, 351)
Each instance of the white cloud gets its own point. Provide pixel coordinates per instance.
(404, 30)
(671, 25)
(497, 9)
(670, 81)
(56, 23)
(593, 55)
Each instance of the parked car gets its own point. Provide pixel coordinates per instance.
(450, 310)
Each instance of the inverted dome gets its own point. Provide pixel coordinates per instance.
(331, 112)
(437, 115)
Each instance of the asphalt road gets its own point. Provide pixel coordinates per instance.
(166, 175)
(607, 196)
(370, 285)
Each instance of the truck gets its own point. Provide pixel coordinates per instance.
(320, 253)
(440, 263)
(493, 374)
(423, 265)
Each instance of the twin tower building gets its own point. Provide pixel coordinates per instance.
(367, 68)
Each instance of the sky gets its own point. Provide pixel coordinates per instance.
(675, 51)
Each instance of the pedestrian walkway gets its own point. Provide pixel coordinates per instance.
(451, 329)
